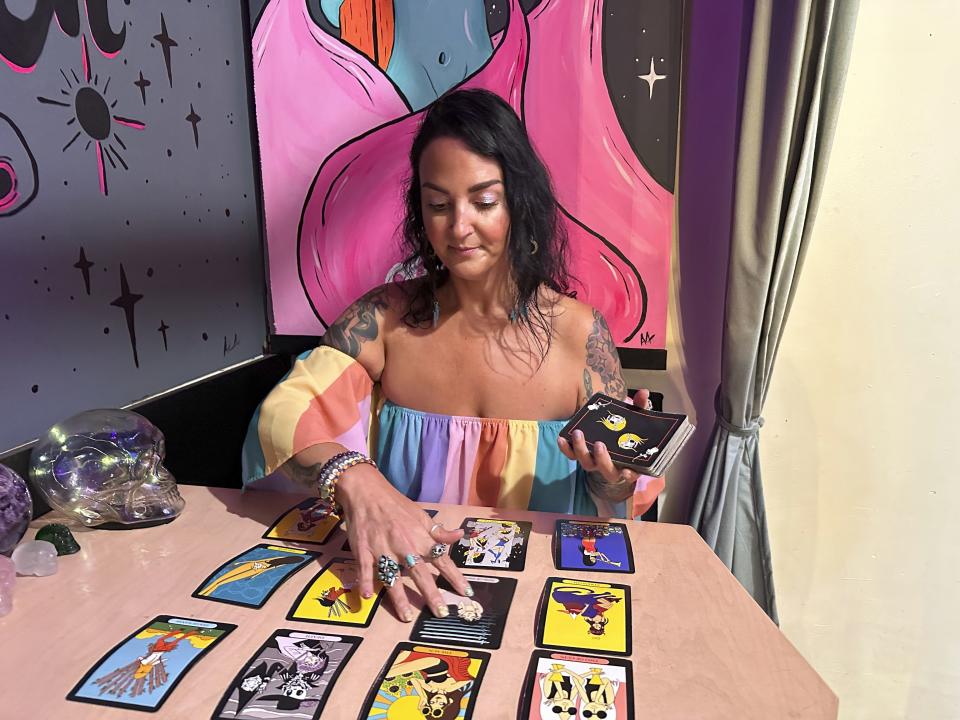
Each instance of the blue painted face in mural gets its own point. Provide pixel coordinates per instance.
(465, 211)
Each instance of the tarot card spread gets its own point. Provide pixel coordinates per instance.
(290, 676)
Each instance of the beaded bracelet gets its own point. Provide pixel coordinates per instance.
(329, 476)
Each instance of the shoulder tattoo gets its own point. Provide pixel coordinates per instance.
(358, 324)
(602, 359)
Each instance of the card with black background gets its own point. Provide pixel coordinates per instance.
(472, 622)
(492, 544)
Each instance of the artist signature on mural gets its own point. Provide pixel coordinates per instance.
(230, 346)
(646, 338)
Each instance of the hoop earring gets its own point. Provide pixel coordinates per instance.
(536, 247)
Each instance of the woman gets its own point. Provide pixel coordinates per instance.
(490, 331)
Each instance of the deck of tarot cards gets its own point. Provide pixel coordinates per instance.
(644, 440)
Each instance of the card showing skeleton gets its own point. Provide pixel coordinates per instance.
(492, 544)
(290, 676)
(142, 671)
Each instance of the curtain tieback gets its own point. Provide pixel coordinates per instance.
(750, 430)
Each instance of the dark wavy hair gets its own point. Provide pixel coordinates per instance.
(537, 250)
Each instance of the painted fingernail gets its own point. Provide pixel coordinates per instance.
(367, 594)
(442, 610)
(407, 615)
(578, 433)
(599, 444)
(468, 591)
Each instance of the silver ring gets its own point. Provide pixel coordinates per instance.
(388, 570)
(438, 551)
(412, 559)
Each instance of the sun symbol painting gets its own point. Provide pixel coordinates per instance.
(92, 116)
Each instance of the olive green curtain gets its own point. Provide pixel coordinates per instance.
(796, 60)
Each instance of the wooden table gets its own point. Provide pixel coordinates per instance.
(701, 647)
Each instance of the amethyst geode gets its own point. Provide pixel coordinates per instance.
(16, 507)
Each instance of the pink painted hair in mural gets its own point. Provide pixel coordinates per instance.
(355, 126)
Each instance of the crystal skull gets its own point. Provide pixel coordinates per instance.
(106, 466)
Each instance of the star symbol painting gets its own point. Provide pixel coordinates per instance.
(193, 119)
(652, 77)
(142, 84)
(126, 302)
(84, 265)
(166, 42)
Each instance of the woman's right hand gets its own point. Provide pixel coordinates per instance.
(382, 521)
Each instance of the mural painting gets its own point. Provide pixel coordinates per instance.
(340, 86)
(129, 225)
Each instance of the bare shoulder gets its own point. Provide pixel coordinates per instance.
(574, 320)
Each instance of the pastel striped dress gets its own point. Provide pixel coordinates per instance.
(329, 397)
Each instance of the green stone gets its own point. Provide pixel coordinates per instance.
(60, 536)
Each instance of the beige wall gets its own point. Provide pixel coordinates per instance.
(866, 538)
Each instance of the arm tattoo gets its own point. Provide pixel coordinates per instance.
(614, 492)
(587, 385)
(603, 360)
(358, 324)
(306, 476)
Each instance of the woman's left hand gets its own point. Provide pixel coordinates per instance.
(598, 461)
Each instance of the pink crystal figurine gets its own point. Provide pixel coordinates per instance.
(8, 575)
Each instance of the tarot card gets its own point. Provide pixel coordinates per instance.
(304, 523)
(429, 511)
(142, 671)
(290, 676)
(472, 622)
(333, 597)
(582, 615)
(596, 546)
(492, 544)
(560, 686)
(421, 681)
(251, 577)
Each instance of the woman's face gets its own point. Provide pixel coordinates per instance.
(464, 208)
